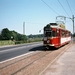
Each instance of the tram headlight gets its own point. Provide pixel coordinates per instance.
(48, 41)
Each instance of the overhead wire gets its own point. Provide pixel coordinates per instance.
(35, 23)
(63, 8)
(50, 7)
(69, 6)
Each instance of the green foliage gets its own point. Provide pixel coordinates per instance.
(6, 42)
(35, 36)
(5, 34)
(12, 35)
(20, 42)
(0, 35)
(74, 35)
(15, 38)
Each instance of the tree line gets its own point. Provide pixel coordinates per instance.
(6, 34)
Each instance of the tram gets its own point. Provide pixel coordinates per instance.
(56, 35)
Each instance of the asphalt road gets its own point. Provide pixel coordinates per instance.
(13, 51)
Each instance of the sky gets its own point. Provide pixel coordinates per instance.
(35, 13)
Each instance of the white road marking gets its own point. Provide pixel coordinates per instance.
(18, 47)
(16, 57)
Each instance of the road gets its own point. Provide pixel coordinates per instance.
(13, 51)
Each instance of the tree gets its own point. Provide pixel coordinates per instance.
(24, 37)
(0, 37)
(30, 36)
(18, 37)
(12, 35)
(5, 34)
(74, 35)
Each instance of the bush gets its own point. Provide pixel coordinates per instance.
(20, 42)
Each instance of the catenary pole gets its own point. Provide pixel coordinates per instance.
(73, 22)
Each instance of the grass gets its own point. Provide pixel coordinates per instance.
(6, 42)
(9, 42)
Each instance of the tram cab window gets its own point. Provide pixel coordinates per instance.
(48, 33)
(53, 33)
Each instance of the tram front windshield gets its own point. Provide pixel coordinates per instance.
(48, 33)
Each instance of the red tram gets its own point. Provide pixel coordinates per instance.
(56, 35)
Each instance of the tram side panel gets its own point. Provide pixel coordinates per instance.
(65, 37)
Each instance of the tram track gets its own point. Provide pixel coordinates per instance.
(8, 64)
(54, 60)
(38, 58)
(22, 65)
(27, 61)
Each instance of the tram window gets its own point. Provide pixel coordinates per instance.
(63, 33)
(57, 33)
(53, 33)
(67, 34)
(50, 33)
(47, 33)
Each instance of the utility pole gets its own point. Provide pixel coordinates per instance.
(73, 22)
(23, 28)
(64, 19)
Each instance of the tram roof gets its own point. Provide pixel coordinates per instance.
(55, 25)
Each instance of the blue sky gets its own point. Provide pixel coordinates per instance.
(35, 13)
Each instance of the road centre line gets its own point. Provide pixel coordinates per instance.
(16, 57)
(18, 47)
